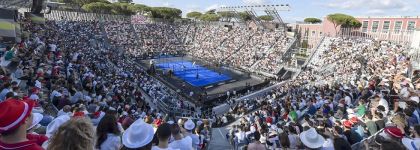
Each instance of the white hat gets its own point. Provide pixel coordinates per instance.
(273, 127)
(180, 121)
(37, 117)
(138, 134)
(263, 140)
(252, 129)
(55, 124)
(38, 84)
(411, 144)
(311, 138)
(189, 125)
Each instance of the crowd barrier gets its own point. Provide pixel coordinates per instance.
(396, 36)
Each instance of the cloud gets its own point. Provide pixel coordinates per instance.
(369, 4)
(375, 12)
(255, 2)
(293, 19)
(167, 4)
(214, 6)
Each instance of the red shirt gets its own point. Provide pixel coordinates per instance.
(269, 120)
(39, 139)
(27, 145)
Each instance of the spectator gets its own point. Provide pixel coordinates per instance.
(189, 126)
(82, 133)
(108, 133)
(257, 144)
(135, 139)
(414, 143)
(311, 139)
(16, 118)
(163, 134)
(181, 141)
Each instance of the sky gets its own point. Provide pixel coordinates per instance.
(301, 9)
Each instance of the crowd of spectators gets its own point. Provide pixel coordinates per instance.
(66, 65)
(240, 47)
(272, 61)
(254, 49)
(161, 38)
(375, 107)
(207, 39)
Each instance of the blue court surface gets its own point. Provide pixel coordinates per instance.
(188, 72)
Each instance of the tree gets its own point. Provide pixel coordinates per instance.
(211, 11)
(353, 23)
(266, 17)
(209, 17)
(84, 2)
(194, 15)
(121, 9)
(125, 1)
(165, 12)
(97, 7)
(226, 15)
(343, 20)
(312, 20)
(244, 16)
(139, 8)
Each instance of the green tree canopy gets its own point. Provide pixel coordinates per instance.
(194, 15)
(244, 16)
(84, 2)
(312, 20)
(165, 12)
(97, 7)
(125, 1)
(211, 11)
(121, 9)
(226, 15)
(352, 23)
(209, 17)
(266, 17)
(138, 8)
(343, 20)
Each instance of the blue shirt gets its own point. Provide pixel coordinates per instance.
(311, 110)
(3, 94)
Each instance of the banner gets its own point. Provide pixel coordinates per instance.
(8, 25)
(36, 18)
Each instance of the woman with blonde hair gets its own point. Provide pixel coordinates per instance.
(75, 134)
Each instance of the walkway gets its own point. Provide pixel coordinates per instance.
(218, 139)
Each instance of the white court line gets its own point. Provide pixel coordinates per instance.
(221, 133)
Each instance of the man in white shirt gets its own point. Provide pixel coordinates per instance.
(384, 103)
(180, 141)
(189, 126)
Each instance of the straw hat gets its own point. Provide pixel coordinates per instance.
(311, 138)
(138, 134)
(189, 125)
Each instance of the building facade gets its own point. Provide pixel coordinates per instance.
(398, 28)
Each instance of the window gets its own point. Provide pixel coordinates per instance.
(397, 27)
(411, 25)
(375, 26)
(313, 33)
(320, 33)
(365, 26)
(385, 27)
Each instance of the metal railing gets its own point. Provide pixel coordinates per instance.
(396, 36)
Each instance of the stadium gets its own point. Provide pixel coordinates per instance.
(209, 75)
